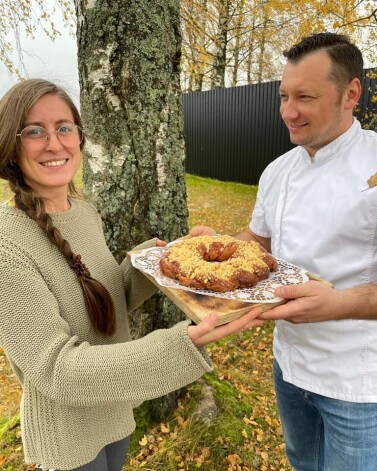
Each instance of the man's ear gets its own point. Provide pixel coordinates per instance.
(352, 93)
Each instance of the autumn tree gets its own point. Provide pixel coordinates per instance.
(221, 43)
(195, 16)
(129, 69)
(240, 20)
(245, 38)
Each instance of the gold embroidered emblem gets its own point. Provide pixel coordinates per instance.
(372, 181)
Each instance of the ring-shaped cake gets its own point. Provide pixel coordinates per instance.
(217, 263)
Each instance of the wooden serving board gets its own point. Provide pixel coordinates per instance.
(198, 306)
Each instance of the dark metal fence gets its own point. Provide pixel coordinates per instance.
(232, 134)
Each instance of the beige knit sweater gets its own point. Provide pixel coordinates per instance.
(78, 386)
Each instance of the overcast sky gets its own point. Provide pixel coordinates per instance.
(53, 60)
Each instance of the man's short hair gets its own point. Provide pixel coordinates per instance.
(346, 58)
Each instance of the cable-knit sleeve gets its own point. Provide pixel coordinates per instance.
(137, 287)
(44, 352)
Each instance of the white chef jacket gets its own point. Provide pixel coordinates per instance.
(319, 217)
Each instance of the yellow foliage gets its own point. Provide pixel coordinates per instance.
(143, 441)
(258, 32)
(164, 428)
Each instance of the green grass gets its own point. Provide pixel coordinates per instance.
(225, 206)
(10, 443)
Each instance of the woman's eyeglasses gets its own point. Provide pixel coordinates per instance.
(36, 137)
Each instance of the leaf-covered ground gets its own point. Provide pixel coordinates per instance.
(227, 421)
(225, 206)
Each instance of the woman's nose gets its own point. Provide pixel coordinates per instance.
(53, 142)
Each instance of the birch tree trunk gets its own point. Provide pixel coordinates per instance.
(194, 19)
(240, 20)
(219, 66)
(129, 72)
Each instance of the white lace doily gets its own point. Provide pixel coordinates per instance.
(148, 261)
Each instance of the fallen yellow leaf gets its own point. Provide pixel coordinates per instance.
(164, 428)
(143, 441)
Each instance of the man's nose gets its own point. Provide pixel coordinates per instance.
(288, 110)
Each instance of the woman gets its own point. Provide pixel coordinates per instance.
(64, 299)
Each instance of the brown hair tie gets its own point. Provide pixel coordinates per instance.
(79, 267)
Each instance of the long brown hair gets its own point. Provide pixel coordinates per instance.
(14, 108)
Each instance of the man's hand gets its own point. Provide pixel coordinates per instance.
(309, 302)
(195, 232)
(206, 332)
(200, 231)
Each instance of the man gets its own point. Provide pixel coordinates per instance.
(315, 208)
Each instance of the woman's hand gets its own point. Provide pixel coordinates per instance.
(206, 332)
